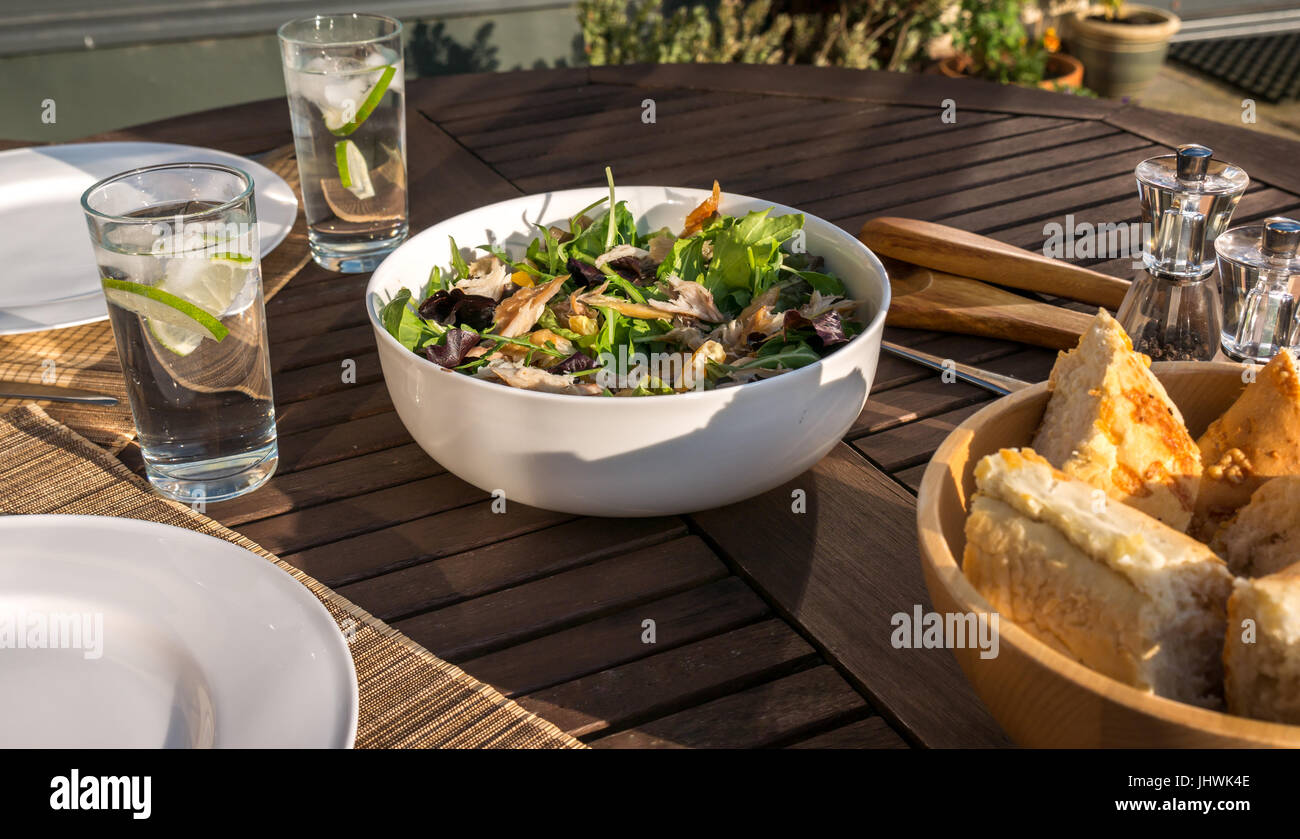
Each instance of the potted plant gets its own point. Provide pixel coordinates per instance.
(992, 43)
(1123, 45)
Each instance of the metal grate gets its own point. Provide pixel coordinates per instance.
(1268, 68)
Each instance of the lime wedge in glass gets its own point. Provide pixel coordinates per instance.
(186, 306)
(341, 128)
(354, 174)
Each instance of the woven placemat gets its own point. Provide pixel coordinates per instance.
(409, 697)
(86, 357)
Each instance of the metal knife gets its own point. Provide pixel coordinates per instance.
(53, 393)
(987, 379)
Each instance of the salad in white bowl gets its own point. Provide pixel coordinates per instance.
(723, 301)
(746, 335)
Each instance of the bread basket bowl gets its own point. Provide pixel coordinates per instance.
(1041, 697)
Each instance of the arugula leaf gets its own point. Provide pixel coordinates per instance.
(747, 255)
(686, 260)
(548, 320)
(573, 221)
(591, 243)
(390, 316)
(436, 282)
(628, 288)
(825, 283)
(757, 227)
(458, 261)
(780, 353)
(611, 230)
(651, 386)
(404, 324)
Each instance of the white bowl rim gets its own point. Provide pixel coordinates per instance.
(876, 323)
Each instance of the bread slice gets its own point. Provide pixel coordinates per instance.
(1261, 659)
(1264, 536)
(1256, 439)
(1109, 422)
(1122, 593)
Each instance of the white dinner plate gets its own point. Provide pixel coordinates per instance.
(155, 636)
(49, 278)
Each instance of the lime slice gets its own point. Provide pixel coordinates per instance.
(354, 174)
(212, 284)
(180, 340)
(162, 307)
(185, 307)
(368, 105)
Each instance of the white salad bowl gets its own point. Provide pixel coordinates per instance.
(631, 456)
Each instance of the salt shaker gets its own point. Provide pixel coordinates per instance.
(1260, 274)
(1187, 199)
(1173, 312)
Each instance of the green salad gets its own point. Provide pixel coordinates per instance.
(595, 308)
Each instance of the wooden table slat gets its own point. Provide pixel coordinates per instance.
(484, 624)
(871, 733)
(367, 473)
(858, 85)
(819, 179)
(761, 716)
(672, 680)
(841, 570)
(733, 157)
(593, 646)
(433, 585)
(352, 558)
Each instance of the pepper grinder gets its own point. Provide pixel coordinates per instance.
(1260, 275)
(1172, 312)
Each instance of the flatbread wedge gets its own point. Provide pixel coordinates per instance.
(1264, 536)
(1256, 439)
(1109, 422)
(1098, 580)
(1261, 657)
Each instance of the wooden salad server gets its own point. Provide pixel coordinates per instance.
(965, 254)
(928, 299)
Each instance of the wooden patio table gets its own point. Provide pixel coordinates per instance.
(773, 627)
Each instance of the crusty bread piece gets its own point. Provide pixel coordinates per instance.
(1264, 536)
(1110, 423)
(1121, 592)
(1261, 660)
(1256, 439)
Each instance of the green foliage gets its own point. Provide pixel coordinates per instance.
(872, 34)
(991, 35)
(1113, 8)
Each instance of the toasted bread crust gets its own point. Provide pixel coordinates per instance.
(1261, 654)
(1256, 439)
(1263, 537)
(1111, 586)
(1109, 422)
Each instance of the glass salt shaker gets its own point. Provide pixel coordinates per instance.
(1187, 200)
(1172, 312)
(1260, 275)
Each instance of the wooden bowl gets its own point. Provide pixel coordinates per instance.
(1041, 697)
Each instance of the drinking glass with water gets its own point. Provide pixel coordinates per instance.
(343, 75)
(178, 253)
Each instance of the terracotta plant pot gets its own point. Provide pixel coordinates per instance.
(1062, 70)
(1122, 57)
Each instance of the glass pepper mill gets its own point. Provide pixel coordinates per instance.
(1172, 312)
(1260, 274)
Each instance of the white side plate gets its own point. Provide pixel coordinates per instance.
(50, 279)
(161, 637)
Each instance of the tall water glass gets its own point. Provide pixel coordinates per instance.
(177, 248)
(343, 76)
